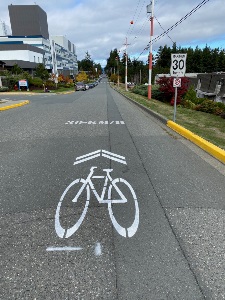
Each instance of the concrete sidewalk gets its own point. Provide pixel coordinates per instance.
(8, 104)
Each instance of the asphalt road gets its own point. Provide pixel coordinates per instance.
(158, 235)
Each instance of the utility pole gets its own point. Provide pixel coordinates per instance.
(118, 74)
(126, 65)
(150, 9)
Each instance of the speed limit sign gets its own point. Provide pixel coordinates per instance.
(178, 64)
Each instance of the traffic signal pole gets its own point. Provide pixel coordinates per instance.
(150, 9)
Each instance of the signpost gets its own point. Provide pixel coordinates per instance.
(177, 69)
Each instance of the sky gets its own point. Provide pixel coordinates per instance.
(101, 26)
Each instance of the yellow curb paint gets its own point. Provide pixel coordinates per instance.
(205, 145)
(65, 93)
(14, 105)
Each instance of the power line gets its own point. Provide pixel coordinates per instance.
(163, 29)
(175, 25)
(135, 20)
(136, 16)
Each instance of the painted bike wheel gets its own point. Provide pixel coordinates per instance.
(67, 232)
(122, 230)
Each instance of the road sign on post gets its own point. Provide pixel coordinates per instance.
(178, 64)
(177, 69)
(176, 82)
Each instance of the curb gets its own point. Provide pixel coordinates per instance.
(154, 114)
(33, 94)
(202, 143)
(65, 93)
(17, 93)
(14, 105)
(210, 148)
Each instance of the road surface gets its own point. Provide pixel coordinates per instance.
(147, 222)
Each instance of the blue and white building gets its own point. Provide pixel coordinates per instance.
(57, 53)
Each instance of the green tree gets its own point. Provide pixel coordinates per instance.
(16, 69)
(207, 63)
(221, 61)
(86, 64)
(41, 72)
(197, 66)
(82, 76)
(111, 66)
(163, 57)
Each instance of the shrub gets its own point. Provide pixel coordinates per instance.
(221, 106)
(141, 90)
(167, 89)
(69, 85)
(26, 75)
(4, 89)
(36, 82)
(11, 81)
(190, 95)
(200, 100)
(157, 94)
(209, 106)
(50, 84)
(188, 104)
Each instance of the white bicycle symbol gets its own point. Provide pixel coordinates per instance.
(88, 185)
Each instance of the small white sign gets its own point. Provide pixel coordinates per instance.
(22, 82)
(176, 82)
(178, 64)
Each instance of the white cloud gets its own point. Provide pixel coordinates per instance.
(99, 26)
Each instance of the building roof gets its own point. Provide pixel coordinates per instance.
(21, 63)
(4, 46)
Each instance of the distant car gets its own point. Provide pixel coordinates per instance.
(86, 86)
(80, 86)
(91, 85)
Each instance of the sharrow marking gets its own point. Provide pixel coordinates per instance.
(116, 159)
(104, 153)
(98, 249)
(119, 156)
(85, 159)
(64, 248)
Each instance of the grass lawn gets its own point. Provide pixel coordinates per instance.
(208, 126)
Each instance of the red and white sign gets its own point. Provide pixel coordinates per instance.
(23, 82)
(176, 82)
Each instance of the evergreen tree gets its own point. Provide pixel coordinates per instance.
(86, 64)
(111, 66)
(41, 72)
